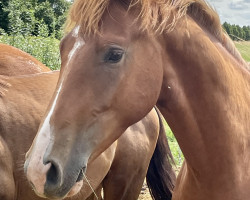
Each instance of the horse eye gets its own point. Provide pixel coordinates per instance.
(114, 55)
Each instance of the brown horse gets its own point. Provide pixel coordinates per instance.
(23, 101)
(125, 56)
(13, 62)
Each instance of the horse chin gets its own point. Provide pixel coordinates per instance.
(78, 185)
(75, 189)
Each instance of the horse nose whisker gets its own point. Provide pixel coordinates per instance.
(88, 182)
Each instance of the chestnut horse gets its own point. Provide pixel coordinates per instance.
(123, 57)
(23, 101)
(14, 61)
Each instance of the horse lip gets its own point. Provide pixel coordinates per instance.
(81, 174)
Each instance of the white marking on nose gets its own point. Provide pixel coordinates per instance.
(36, 170)
(45, 128)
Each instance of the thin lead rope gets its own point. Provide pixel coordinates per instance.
(90, 186)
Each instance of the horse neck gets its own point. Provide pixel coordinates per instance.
(4, 85)
(205, 98)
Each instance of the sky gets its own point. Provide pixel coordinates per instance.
(232, 11)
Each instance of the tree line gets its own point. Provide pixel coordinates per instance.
(33, 17)
(236, 32)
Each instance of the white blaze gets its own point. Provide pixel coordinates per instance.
(36, 171)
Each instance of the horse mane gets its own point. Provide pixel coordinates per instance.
(156, 16)
(208, 18)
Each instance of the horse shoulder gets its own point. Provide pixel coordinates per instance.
(7, 184)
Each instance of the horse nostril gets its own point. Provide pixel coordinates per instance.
(53, 180)
(53, 175)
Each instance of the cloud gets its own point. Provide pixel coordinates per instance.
(240, 5)
(232, 11)
(246, 16)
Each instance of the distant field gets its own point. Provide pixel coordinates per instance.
(244, 48)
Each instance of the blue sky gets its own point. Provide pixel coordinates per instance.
(233, 11)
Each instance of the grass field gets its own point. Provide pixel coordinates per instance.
(244, 48)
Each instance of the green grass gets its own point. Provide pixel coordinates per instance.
(174, 147)
(45, 50)
(244, 49)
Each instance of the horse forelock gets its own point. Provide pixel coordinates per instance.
(87, 14)
(156, 16)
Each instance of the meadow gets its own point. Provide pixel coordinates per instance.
(46, 49)
(244, 48)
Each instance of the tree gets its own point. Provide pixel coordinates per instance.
(27, 17)
(21, 17)
(241, 33)
(3, 15)
(55, 16)
(236, 32)
(246, 29)
(44, 12)
(227, 27)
